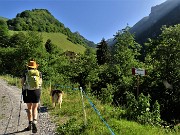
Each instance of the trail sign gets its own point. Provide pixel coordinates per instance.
(138, 71)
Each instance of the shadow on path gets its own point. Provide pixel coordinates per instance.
(13, 133)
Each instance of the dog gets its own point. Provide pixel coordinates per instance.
(56, 96)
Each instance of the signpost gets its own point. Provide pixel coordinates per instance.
(138, 72)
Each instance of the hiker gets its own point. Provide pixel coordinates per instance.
(31, 83)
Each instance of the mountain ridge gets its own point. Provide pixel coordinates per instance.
(165, 13)
(156, 19)
(155, 15)
(43, 21)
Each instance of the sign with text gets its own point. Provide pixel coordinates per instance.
(138, 71)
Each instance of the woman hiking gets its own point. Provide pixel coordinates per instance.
(31, 83)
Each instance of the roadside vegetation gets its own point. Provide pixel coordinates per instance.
(70, 118)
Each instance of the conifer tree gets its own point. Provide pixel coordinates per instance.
(4, 35)
(49, 46)
(103, 53)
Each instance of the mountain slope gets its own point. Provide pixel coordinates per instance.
(166, 13)
(60, 40)
(2, 18)
(43, 21)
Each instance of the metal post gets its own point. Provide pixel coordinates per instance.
(84, 111)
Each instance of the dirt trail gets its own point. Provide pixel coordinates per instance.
(10, 97)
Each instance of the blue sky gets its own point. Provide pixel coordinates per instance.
(93, 19)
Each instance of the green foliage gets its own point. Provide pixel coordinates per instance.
(83, 70)
(106, 95)
(7, 60)
(69, 119)
(4, 35)
(50, 48)
(156, 113)
(103, 53)
(139, 110)
(132, 106)
(162, 59)
(124, 56)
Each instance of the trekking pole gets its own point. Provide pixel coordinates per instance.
(20, 110)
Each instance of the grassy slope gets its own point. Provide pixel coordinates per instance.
(61, 41)
(70, 118)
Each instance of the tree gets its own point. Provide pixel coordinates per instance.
(124, 56)
(83, 70)
(4, 34)
(17, 40)
(103, 53)
(49, 46)
(30, 47)
(162, 58)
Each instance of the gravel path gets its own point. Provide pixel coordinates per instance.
(10, 114)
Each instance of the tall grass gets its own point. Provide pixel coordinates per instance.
(12, 80)
(70, 118)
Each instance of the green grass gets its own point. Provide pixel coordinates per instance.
(70, 118)
(60, 40)
(12, 80)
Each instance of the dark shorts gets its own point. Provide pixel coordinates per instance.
(31, 96)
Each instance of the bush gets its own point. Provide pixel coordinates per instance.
(139, 110)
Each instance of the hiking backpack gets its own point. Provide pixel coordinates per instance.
(33, 80)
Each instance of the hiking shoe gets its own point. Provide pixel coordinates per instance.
(29, 127)
(34, 128)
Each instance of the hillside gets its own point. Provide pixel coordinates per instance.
(42, 20)
(2, 18)
(150, 26)
(60, 40)
(166, 13)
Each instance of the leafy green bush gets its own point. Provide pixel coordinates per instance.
(139, 110)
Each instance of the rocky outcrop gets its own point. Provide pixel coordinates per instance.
(149, 27)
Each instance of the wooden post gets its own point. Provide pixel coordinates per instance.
(50, 91)
(84, 111)
(137, 86)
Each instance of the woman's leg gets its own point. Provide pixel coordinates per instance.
(29, 115)
(35, 114)
(29, 112)
(35, 110)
